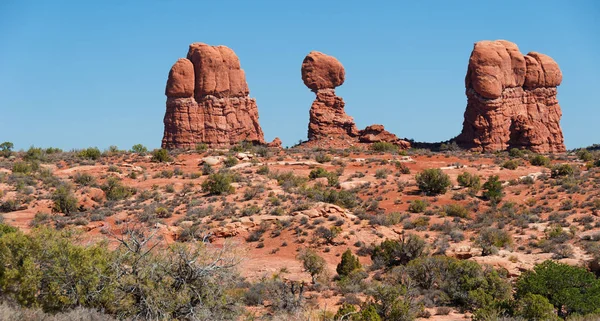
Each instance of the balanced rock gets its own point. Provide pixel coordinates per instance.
(511, 100)
(329, 125)
(208, 102)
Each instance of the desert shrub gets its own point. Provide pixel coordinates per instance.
(22, 167)
(515, 152)
(84, 179)
(312, 263)
(328, 234)
(511, 164)
(562, 170)
(139, 149)
(535, 307)
(539, 160)
(115, 190)
(322, 158)
(491, 239)
(230, 161)
(218, 184)
(263, 170)
(288, 180)
(393, 302)
(585, 155)
(36, 154)
(45, 269)
(384, 147)
(6, 149)
(571, 290)
(433, 181)
(402, 168)
(381, 173)
(418, 206)
(348, 264)
(64, 201)
(392, 253)
(456, 210)
(160, 156)
(200, 148)
(493, 190)
(92, 153)
(332, 178)
(10, 206)
(346, 199)
(471, 181)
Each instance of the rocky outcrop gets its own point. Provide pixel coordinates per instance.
(208, 102)
(511, 100)
(329, 125)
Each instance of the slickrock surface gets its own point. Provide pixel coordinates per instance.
(208, 102)
(329, 125)
(511, 100)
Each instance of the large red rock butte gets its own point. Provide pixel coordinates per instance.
(208, 102)
(511, 100)
(329, 125)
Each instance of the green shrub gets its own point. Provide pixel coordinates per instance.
(392, 253)
(511, 164)
(572, 290)
(115, 190)
(493, 190)
(515, 152)
(491, 239)
(22, 167)
(34, 154)
(312, 263)
(322, 158)
(92, 153)
(562, 170)
(200, 148)
(418, 206)
(384, 147)
(585, 155)
(218, 184)
(332, 178)
(6, 149)
(160, 156)
(539, 160)
(63, 200)
(433, 181)
(535, 307)
(139, 149)
(230, 161)
(348, 264)
(84, 179)
(456, 210)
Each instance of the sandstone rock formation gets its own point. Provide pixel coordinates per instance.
(511, 100)
(329, 125)
(207, 101)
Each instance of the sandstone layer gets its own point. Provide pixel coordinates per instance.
(208, 102)
(329, 125)
(511, 100)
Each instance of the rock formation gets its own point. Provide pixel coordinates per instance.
(207, 101)
(511, 100)
(329, 125)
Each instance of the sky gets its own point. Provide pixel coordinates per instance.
(75, 74)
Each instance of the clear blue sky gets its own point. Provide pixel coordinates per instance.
(75, 74)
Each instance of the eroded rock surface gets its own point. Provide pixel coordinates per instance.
(329, 125)
(208, 102)
(511, 100)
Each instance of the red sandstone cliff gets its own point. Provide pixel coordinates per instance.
(207, 101)
(511, 100)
